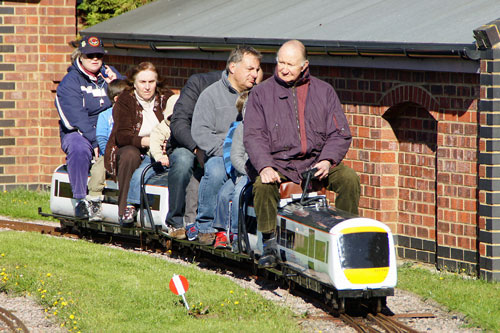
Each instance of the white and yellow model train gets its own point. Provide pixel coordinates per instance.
(330, 252)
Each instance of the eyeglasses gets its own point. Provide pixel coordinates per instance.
(94, 55)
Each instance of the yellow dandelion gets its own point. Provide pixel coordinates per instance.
(2, 274)
(441, 278)
(55, 303)
(74, 322)
(231, 292)
(55, 313)
(46, 310)
(3, 254)
(44, 291)
(49, 274)
(236, 302)
(62, 325)
(17, 267)
(17, 283)
(222, 304)
(43, 296)
(71, 317)
(64, 303)
(75, 327)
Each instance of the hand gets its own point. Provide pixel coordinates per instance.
(323, 168)
(145, 141)
(111, 76)
(164, 161)
(96, 152)
(200, 156)
(269, 175)
(164, 147)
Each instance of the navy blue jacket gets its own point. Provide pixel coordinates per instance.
(79, 100)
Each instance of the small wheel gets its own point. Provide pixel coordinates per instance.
(376, 305)
(341, 304)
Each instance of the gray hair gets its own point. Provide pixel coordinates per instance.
(75, 54)
(237, 54)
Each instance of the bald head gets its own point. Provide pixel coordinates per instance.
(292, 61)
(294, 46)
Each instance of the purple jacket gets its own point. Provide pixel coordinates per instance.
(271, 133)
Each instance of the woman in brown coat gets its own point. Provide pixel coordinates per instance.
(137, 111)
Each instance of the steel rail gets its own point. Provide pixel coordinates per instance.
(14, 323)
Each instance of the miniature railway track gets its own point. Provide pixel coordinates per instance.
(25, 226)
(370, 323)
(10, 322)
(361, 322)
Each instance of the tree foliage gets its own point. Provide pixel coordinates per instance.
(92, 12)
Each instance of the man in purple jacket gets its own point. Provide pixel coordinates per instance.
(294, 122)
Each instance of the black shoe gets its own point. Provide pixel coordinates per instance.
(82, 209)
(270, 254)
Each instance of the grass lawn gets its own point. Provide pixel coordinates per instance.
(92, 288)
(477, 299)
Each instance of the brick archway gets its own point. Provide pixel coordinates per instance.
(410, 93)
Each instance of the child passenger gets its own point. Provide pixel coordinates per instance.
(159, 135)
(226, 214)
(98, 172)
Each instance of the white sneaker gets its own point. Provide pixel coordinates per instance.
(95, 210)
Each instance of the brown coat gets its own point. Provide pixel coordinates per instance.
(127, 116)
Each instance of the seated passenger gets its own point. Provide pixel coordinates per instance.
(97, 171)
(235, 158)
(214, 111)
(186, 159)
(80, 97)
(294, 122)
(159, 135)
(137, 111)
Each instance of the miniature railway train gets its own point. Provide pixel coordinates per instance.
(341, 257)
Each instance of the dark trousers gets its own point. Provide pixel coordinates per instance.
(341, 179)
(128, 159)
(179, 175)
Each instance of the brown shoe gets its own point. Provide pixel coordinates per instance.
(177, 233)
(206, 239)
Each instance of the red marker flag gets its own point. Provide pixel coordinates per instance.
(179, 285)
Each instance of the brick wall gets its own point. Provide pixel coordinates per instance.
(34, 54)
(489, 171)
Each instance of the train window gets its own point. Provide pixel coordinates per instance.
(364, 250)
(64, 189)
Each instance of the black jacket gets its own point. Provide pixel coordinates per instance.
(180, 123)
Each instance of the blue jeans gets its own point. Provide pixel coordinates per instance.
(79, 153)
(214, 177)
(181, 168)
(134, 191)
(225, 217)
